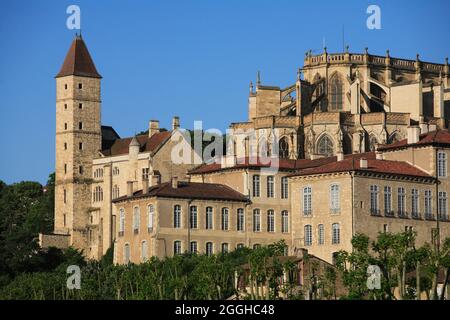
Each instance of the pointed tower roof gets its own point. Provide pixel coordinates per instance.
(78, 61)
(134, 142)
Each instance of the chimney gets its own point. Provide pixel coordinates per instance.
(413, 134)
(153, 127)
(175, 123)
(378, 155)
(129, 188)
(340, 156)
(174, 182)
(155, 179)
(144, 186)
(363, 163)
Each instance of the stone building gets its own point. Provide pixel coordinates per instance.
(313, 134)
(344, 102)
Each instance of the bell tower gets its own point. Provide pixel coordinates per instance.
(78, 140)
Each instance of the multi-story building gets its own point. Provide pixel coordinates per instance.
(306, 141)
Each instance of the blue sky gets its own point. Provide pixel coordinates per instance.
(189, 58)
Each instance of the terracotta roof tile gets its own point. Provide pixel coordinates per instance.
(121, 146)
(190, 190)
(284, 164)
(352, 163)
(438, 137)
(78, 61)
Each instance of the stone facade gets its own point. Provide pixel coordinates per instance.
(343, 104)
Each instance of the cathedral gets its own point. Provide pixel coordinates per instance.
(348, 116)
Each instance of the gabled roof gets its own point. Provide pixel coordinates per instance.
(78, 61)
(121, 146)
(250, 163)
(352, 163)
(432, 138)
(190, 190)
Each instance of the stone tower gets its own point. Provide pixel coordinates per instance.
(78, 141)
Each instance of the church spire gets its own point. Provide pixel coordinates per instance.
(78, 61)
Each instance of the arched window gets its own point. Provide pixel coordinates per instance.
(150, 217)
(395, 137)
(115, 191)
(98, 194)
(209, 218)
(121, 221)
(347, 145)
(270, 221)
(308, 235)
(336, 233)
(284, 221)
(193, 218)
(372, 142)
(240, 220)
(336, 92)
(256, 220)
(126, 253)
(136, 219)
(144, 253)
(225, 216)
(176, 247)
(325, 146)
(224, 247)
(335, 206)
(177, 216)
(209, 249)
(283, 148)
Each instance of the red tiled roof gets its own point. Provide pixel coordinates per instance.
(78, 61)
(121, 146)
(352, 163)
(284, 164)
(190, 190)
(438, 137)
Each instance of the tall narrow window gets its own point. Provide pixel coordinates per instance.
(65, 167)
(415, 203)
(150, 217)
(209, 249)
(209, 218)
(225, 217)
(284, 221)
(177, 216)
(256, 220)
(374, 190)
(284, 188)
(80, 125)
(283, 148)
(193, 217)
(115, 192)
(442, 210)
(136, 219)
(224, 247)
(335, 203)
(387, 200)
(307, 201)
(126, 253)
(270, 221)
(80, 86)
(270, 186)
(336, 92)
(145, 173)
(65, 195)
(336, 233)
(308, 235)
(256, 186)
(80, 146)
(177, 247)
(442, 164)
(401, 196)
(65, 145)
(428, 204)
(240, 219)
(121, 222)
(193, 248)
(144, 251)
(321, 234)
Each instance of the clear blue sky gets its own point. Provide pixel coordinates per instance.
(191, 58)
